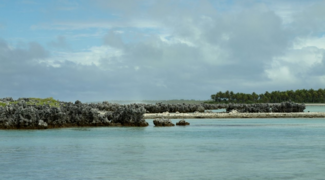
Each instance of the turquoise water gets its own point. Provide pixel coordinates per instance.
(315, 109)
(228, 149)
(218, 110)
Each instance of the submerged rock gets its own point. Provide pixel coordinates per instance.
(182, 123)
(162, 122)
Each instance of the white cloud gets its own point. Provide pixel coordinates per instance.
(215, 55)
(281, 74)
(92, 56)
(296, 66)
(310, 41)
(169, 39)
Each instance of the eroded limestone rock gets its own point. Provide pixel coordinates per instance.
(162, 122)
(182, 123)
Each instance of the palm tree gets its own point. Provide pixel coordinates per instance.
(227, 96)
(254, 97)
(231, 96)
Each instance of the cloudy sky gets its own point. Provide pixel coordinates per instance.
(159, 49)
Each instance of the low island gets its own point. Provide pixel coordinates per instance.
(37, 113)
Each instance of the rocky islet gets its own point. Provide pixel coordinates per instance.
(182, 123)
(23, 115)
(162, 122)
(29, 113)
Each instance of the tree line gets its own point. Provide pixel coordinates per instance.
(298, 96)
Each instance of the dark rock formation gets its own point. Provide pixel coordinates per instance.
(288, 107)
(265, 108)
(21, 115)
(162, 122)
(251, 108)
(172, 108)
(182, 123)
(130, 115)
(200, 109)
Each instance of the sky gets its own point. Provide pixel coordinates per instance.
(159, 49)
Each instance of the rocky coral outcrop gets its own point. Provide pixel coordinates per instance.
(173, 108)
(23, 115)
(130, 115)
(283, 107)
(182, 123)
(162, 122)
(288, 107)
(251, 108)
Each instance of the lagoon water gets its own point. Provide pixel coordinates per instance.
(315, 108)
(207, 149)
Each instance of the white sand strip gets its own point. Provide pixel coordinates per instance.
(234, 115)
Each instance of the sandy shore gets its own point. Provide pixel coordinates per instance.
(234, 115)
(315, 104)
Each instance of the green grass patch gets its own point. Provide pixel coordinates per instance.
(3, 104)
(37, 101)
(46, 101)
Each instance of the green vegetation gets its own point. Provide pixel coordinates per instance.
(298, 96)
(37, 101)
(3, 104)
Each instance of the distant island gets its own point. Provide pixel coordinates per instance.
(298, 96)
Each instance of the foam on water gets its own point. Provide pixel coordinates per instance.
(207, 149)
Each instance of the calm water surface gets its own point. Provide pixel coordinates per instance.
(207, 149)
(315, 109)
